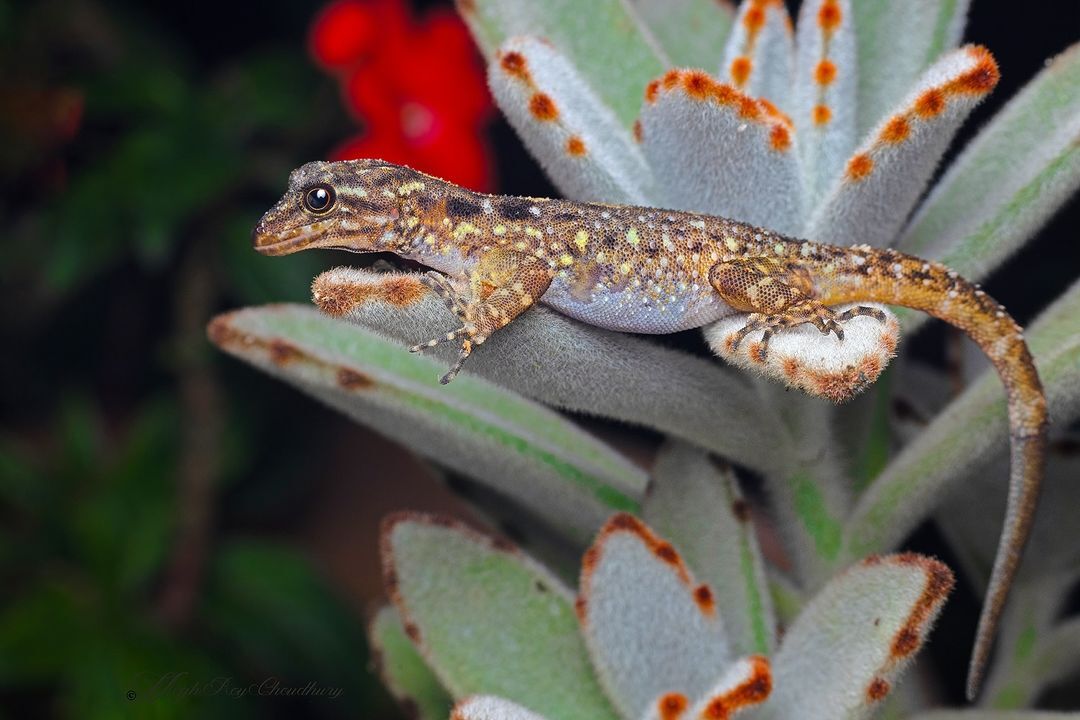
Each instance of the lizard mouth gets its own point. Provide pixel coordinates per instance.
(290, 241)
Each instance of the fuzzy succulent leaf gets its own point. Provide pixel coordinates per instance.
(490, 707)
(872, 198)
(700, 509)
(582, 146)
(971, 428)
(489, 620)
(605, 42)
(897, 41)
(564, 363)
(515, 445)
(759, 58)
(716, 150)
(649, 626)
(823, 95)
(1017, 172)
(745, 684)
(402, 670)
(846, 649)
(691, 32)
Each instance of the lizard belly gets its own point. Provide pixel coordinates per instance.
(638, 309)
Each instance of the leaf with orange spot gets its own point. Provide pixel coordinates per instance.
(402, 670)
(897, 41)
(746, 683)
(691, 32)
(835, 659)
(824, 112)
(870, 207)
(605, 43)
(1010, 180)
(523, 449)
(760, 44)
(586, 152)
(699, 507)
(571, 365)
(715, 150)
(488, 619)
(646, 633)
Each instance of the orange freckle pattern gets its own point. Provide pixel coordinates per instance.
(575, 146)
(860, 166)
(825, 72)
(822, 114)
(543, 107)
(740, 70)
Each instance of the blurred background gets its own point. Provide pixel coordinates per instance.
(167, 516)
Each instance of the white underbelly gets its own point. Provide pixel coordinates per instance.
(637, 309)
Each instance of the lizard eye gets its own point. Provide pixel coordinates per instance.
(319, 199)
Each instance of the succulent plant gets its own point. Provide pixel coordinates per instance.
(829, 130)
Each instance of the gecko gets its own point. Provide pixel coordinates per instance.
(649, 270)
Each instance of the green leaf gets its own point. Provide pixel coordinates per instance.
(532, 454)
(691, 32)
(896, 41)
(1010, 180)
(403, 670)
(488, 620)
(851, 642)
(699, 508)
(570, 365)
(605, 42)
(969, 430)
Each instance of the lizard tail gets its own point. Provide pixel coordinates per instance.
(894, 278)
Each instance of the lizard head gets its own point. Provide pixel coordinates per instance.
(351, 205)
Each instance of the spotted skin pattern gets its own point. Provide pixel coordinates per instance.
(647, 270)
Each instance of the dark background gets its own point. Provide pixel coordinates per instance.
(163, 508)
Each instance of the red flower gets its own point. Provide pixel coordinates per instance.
(417, 86)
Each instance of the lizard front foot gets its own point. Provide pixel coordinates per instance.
(466, 333)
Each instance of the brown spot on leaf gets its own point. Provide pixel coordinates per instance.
(352, 380)
(671, 706)
(741, 68)
(930, 103)
(822, 114)
(825, 72)
(698, 84)
(413, 632)
(982, 78)
(514, 63)
(543, 107)
(580, 608)
(639, 135)
(282, 353)
(575, 146)
(667, 553)
(859, 166)
(703, 596)
(779, 138)
(651, 91)
(877, 690)
(754, 691)
(939, 584)
(741, 510)
(754, 19)
(896, 130)
(829, 16)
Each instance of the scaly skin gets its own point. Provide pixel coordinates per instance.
(654, 271)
